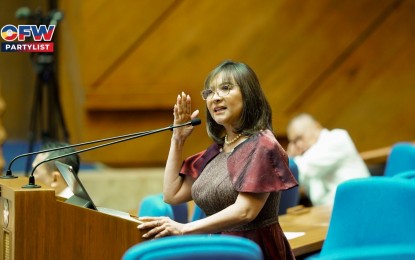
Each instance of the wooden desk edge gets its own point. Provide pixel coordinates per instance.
(310, 248)
(315, 233)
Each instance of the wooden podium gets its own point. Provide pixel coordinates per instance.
(38, 225)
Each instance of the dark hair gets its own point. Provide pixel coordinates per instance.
(71, 160)
(256, 111)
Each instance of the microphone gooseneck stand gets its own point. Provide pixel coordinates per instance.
(123, 138)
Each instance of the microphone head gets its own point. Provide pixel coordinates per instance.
(196, 121)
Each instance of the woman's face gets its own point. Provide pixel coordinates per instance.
(225, 109)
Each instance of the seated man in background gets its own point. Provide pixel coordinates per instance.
(324, 158)
(49, 174)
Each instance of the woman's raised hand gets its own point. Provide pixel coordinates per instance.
(182, 114)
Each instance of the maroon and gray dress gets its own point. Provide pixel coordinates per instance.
(257, 165)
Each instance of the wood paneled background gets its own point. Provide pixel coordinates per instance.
(349, 63)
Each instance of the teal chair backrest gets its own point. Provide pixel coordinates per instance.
(180, 212)
(198, 213)
(291, 197)
(195, 247)
(400, 159)
(154, 206)
(409, 175)
(372, 218)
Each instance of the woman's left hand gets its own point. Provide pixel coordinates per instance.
(160, 227)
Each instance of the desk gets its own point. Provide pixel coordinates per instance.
(314, 222)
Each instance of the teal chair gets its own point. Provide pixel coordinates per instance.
(291, 197)
(180, 212)
(195, 247)
(372, 218)
(154, 206)
(198, 213)
(400, 159)
(409, 175)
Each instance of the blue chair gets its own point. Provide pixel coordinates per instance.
(180, 212)
(409, 175)
(291, 197)
(198, 213)
(400, 159)
(190, 247)
(372, 218)
(154, 206)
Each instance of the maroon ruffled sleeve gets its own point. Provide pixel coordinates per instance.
(260, 164)
(195, 164)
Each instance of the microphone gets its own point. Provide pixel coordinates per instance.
(122, 138)
(9, 174)
(195, 121)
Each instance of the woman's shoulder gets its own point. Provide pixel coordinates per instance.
(263, 139)
(267, 135)
(263, 142)
(260, 165)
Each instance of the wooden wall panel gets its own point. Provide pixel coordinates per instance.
(123, 66)
(372, 89)
(116, 30)
(191, 38)
(146, 151)
(71, 68)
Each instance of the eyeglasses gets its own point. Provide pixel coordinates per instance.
(221, 91)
